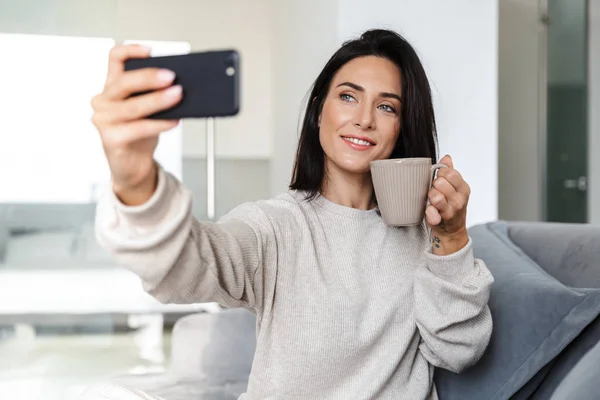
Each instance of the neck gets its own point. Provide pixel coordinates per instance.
(348, 189)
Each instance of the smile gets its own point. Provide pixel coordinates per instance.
(360, 142)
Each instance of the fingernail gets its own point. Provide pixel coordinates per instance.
(174, 91)
(166, 76)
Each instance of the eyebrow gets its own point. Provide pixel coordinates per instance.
(362, 89)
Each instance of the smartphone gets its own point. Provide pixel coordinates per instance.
(210, 81)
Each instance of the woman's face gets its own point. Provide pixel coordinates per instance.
(360, 120)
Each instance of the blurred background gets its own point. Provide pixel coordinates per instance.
(515, 86)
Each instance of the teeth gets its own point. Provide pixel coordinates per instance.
(358, 141)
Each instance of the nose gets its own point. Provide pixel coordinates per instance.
(364, 118)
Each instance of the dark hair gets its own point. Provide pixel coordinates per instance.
(417, 137)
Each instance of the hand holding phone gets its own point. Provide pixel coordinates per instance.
(128, 136)
(145, 96)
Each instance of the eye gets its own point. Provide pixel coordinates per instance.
(388, 108)
(346, 97)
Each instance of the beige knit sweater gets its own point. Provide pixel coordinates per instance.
(347, 307)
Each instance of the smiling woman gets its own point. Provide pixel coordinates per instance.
(333, 287)
(371, 101)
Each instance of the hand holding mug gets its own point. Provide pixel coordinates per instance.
(447, 211)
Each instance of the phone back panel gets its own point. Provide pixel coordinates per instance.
(210, 82)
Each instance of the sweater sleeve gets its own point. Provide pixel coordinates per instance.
(451, 310)
(178, 258)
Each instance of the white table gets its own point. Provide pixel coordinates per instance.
(80, 291)
(95, 290)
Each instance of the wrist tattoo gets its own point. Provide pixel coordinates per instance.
(436, 242)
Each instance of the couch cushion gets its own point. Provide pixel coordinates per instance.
(564, 363)
(535, 318)
(568, 252)
(582, 383)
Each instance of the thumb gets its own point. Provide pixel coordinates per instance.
(447, 160)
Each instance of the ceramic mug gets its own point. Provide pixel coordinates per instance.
(401, 186)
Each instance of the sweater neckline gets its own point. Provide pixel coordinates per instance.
(322, 202)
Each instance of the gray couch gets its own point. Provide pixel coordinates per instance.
(545, 345)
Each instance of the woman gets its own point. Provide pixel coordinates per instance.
(347, 307)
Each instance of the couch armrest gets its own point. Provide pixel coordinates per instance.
(217, 346)
(211, 358)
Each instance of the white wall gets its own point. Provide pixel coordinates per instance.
(594, 112)
(59, 17)
(519, 189)
(458, 44)
(304, 34)
(209, 24)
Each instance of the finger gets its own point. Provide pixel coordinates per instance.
(432, 216)
(119, 54)
(142, 106)
(456, 180)
(447, 160)
(438, 200)
(442, 184)
(456, 199)
(131, 132)
(138, 81)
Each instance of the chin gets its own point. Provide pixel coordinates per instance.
(356, 167)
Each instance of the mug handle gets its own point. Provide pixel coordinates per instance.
(433, 170)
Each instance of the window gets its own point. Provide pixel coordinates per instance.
(49, 150)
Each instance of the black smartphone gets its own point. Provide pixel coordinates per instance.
(210, 81)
